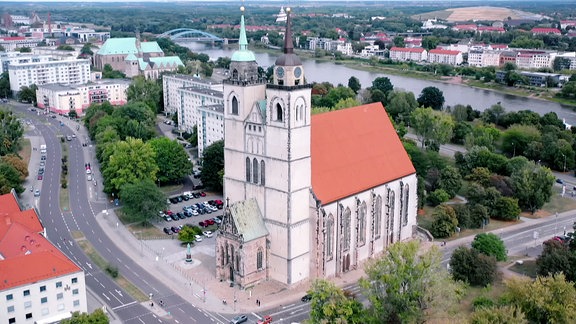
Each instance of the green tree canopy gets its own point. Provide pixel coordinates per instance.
(473, 267)
(383, 84)
(431, 97)
(400, 105)
(354, 84)
(330, 304)
(11, 132)
(146, 91)
(172, 160)
(432, 127)
(142, 200)
(490, 244)
(213, 166)
(97, 317)
(28, 94)
(109, 73)
(532, 186)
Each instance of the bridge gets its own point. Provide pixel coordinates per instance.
(187, 34)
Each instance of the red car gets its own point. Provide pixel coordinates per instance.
(39, 177)
(203, 224)
(203, 194)
(209, 222)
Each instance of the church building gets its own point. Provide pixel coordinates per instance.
(308, 196)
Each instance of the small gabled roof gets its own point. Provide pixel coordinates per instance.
(150, 47)
(354, 150)
(166, 61)
(248, 219)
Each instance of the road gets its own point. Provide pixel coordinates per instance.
(81, 218)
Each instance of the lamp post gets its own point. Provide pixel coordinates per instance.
(564, 162)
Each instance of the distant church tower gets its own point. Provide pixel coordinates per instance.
(267, 153)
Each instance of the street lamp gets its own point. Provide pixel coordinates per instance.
(564, 162)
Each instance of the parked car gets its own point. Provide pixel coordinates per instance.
(306, 298)
(42, 163)
(37, 193)
(174, 217)
(209, 222)
(167, 218)
(266, 320)
(198, 238)
(202, 193)
(207, 233)
(239, 319)
(560, 181)
(217, 220)
(43, 158)
(167, 231)
(40, 177)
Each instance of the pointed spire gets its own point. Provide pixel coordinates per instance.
(243, 41)
(288, 43)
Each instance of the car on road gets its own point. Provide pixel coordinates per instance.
(42, 163)
(167, 231)
(266, 320)
(37, 193)
(40, 177)
(41, 171)
(68, 138)
(239, 319)
(198, 238)
(88, 171)
(174, 217)
(43, 158)
(306, 298)
(89, 177)
(560, 181)
(207, 233)
(73, 135)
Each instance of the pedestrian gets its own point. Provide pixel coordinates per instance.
(151, 304)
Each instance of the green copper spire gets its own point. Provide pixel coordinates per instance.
(243, 54)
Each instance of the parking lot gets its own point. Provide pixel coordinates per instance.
(195, 208)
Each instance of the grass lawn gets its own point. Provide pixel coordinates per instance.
(145, 232)
(64, 192)
(527, 268)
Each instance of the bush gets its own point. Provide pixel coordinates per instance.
(445, 222)
(112, 270)
(473, 267)
(490, 244)
(437, 197)
(482, 302)
(463, 215)
(506, 209)
(478, 215)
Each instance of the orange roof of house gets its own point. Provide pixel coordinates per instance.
(408, 49)
(443, 51)
(27, 256)
(354, 150)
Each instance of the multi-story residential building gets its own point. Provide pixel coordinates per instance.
(171, 84)
(191, 99)
(62, 99)
(508, 56)
(11, 43)
(545, 31)
(38, 283)
(75, 71)
(133, 58)
(372, 50)
(571, 63)
(444, 56)
(345, 48)
(210, 125)
(534, 59)
(416, 54)
(7, 58)
(482, 58)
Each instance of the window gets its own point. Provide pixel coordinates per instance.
(59, 284)
(9, 297)
(259, 258)
(76, 303)
(248, 169)
(74, 280)
(26, 292)
(42, 288)
(59, 295)
(74, 291)
(329, 237)
(60, 307)
(29, 316)
(27, 304)
(10, 309)
(362, 224)
(234, 106)
(346, 229)
(405, 204)
(255, 171)
(12, 320)
(45, 311)
(391, 202)
(378, 217)
(238, 261)
(279, 113)
(262, 173)
(43, 300)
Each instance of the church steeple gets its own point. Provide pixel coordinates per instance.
(243, 66)
(288, 67)
(288, 43)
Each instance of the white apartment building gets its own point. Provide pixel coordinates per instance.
(371, 50)
(171, 84)
(11, 43)
(62, 99)
(38, 283)
(345, 49)
(191, 99)
(7, 58)
(76, 71)
(535, 59)
(481, 58)
(210, 125)
(445, 56)
(403, 54)
(571, 56)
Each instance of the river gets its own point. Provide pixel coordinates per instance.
(479, 99)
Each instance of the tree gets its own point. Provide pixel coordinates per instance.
(556, 257)
(432, 127)
(5, 91)
(445, 221)
(398, 41)
(450, 180)
(11, 132)
(550, 299)
(383, 84)
(28, 94)
(499, 314)
(172, 160)
(431, 97)
(400, 105)
(9, 178)
(490, 244)
(17, 163)
(109, 73)
(72, 113)
(97, 317)
(147, 91)
(87, 49)
(405, 283)
(473, 267)
(430, 42)
(354, 84)
(532, 186)
(142, 200)
(330, 304)
(188, 233)
(213, 166)
(128, 161)
(506, 209)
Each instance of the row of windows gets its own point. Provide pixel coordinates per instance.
(44, 311)
(43, 289)
(255, 172)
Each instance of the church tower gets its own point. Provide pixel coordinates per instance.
(288, 165)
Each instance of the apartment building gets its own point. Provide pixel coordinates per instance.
(403, 54)
(482, 58)
(62, 99)
(7, 58)
(11, 43)
(171, 84)
(534, 59)
(210, 125)
(445, 56)
(38, 283)
(193, 98)
(371, 50)
(74, 71)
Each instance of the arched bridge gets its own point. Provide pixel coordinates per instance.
(192, 35)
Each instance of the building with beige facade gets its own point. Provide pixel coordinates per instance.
(307, 196)
(62, 99)
(445, 56)
(38, 283)
(73, 71)
(404, 54)
(482, 58)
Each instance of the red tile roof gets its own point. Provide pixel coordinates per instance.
(354, 150)
(407, 49)
(27, 256)
(443, 51)
(537, 30)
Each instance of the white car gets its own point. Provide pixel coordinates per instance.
(88, 171)
(89, 177)
(198, 238)
(207, 233)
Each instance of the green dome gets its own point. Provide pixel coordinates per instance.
(243, 56)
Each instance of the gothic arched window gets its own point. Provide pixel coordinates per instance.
(405, 204)
(362, 224)
(346, 229)
(262, 173)
(279, 112)
(255, 171)
(248, 169)
(378, 216)
(391, 203)
(235, 74)
(234, 106)
(329, 237)
(259, 258)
